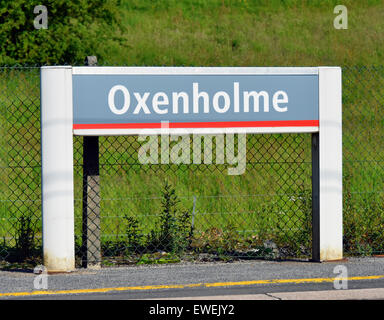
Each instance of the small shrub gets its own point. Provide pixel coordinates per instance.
(75, 29)
(174, 224)
(25, 231)
(158, 258)
(134, 234)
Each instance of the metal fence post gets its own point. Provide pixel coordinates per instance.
(57, 168)
(91, 197)
(315, 198)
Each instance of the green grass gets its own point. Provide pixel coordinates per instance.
(246, 33)
(221, 33)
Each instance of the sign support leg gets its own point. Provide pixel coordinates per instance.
(91, 196)
(91, 203)
(57, 169)
(315, 198)
(328, 225)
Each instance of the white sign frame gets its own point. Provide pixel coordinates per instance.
(57, 156)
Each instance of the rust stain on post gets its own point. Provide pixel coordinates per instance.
(331, 254)
(58, 265)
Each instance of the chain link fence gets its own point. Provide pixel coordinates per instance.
(363, 160)
(210, 215)
(20, 165)
(159, 213)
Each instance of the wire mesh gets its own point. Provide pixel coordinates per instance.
(266, 211)
(363, 160)
(20, 211)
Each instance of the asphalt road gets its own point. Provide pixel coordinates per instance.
(240, 280)
(251, 292)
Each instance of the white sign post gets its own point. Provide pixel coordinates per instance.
(125, 100)
(328, 236)
(57, 169)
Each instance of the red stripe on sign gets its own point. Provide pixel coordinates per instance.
(224, 124)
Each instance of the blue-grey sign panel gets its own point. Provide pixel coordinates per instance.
(144, 101)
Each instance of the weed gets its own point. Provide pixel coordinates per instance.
(134, 234)
(174, 224)
(25, 231)
(158, 258)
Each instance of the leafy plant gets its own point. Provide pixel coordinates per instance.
(174, 224)
(134, 234)
(25, 230)
(158, 258)
(75, 30)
